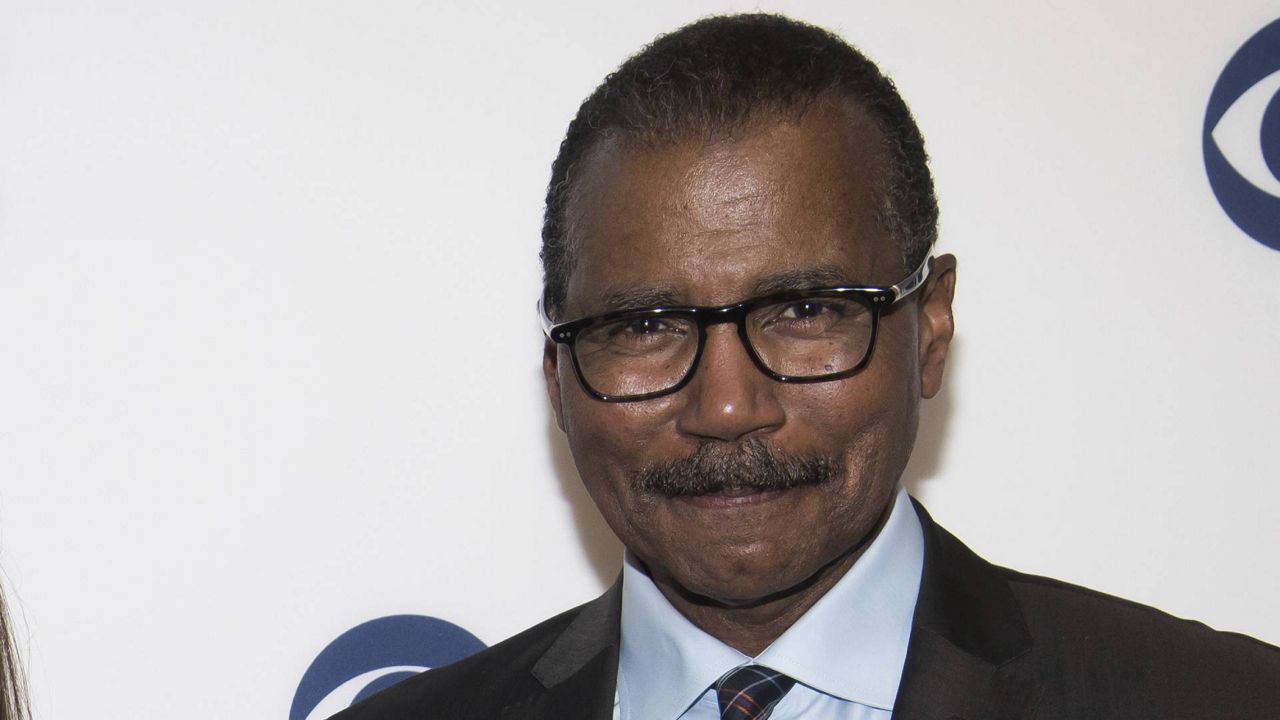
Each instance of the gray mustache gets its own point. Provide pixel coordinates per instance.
(749, 465)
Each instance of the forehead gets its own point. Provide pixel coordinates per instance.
(704, 222)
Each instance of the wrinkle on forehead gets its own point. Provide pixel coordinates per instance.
(728, 193)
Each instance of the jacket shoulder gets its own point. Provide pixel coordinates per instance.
(479, 685)
(1112, 655)
(1083, 653)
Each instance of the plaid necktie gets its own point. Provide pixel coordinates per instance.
(750, 692)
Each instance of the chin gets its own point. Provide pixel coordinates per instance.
(747, 587)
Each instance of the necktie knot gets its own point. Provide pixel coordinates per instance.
(750, 692)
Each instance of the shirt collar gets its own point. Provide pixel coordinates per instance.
(851, 644)
(666, 662)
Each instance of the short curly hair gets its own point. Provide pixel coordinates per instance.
(719, 73)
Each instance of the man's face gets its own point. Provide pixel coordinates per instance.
(694, 223)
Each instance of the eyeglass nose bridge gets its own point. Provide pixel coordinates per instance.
(736, 314)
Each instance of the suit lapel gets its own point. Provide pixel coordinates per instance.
(968, 658)
(579, 671)
(943, 682)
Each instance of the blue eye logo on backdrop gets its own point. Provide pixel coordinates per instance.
(373, 656)
(1242, 137)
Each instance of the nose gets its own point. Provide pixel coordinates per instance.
(728, 398)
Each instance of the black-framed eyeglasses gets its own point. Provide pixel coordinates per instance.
(793, 337)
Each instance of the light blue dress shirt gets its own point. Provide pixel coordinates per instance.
(846, 653)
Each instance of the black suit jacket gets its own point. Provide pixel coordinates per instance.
(987, 643)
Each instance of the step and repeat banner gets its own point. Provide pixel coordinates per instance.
(273, 433)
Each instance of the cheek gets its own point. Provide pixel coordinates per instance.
(869, 427)
(609, 441)
(612, 434)
(836, 414)
(868, 420)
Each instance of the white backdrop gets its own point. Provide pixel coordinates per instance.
(269, 365)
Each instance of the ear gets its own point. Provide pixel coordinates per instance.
(937, 324)
(551, 374)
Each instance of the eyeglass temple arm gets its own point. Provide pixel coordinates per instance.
(912, 281)
(543, 317)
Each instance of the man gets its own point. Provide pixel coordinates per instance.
(742, 316)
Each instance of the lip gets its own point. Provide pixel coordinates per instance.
(723, 501)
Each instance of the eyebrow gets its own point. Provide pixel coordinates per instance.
(640, 298)
(797, 280)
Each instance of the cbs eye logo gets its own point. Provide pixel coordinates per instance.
(373, 656)
(1242, 137)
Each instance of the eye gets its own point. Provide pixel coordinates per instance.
(803, 318)
(807, 315)
(1241, 136)
(635, 334)
(806, 310)
(644, 328)
(639, 326)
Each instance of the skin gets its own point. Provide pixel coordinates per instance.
(783, 202)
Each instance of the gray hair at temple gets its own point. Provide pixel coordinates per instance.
(718, 74)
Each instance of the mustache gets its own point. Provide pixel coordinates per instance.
(747, 466)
